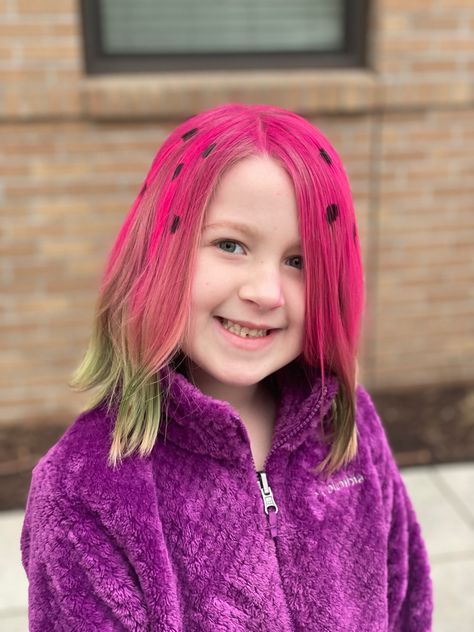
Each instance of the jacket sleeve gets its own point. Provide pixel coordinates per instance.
(79, 579)
(409, 592)
(409, 584)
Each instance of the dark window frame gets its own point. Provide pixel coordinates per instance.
(353, 54)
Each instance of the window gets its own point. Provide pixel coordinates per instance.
(147, 35)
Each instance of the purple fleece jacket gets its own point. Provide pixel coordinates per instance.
(180, 541)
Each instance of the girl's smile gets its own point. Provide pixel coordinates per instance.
(247, 342)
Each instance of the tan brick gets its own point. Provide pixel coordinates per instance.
(70, 284)
(32, 380)
(66, 7)
(427, 135)
(59, 188)
(392, 65)
(458, 43)
(15, 76)
(14, 329)
(454, 4)
(14, 250)
(63, 248)
(27, 232)
(59, 170)
(62, 208)
(43, 304)
(407, 45)
(430, 22)
(37, 100)
(50, 52)
(7, 170)
(22, 29)
(394, 21)
(27, 146)
(7, 52)
(408, 5)
(435, 66)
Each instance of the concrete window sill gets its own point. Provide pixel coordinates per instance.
(178, 95)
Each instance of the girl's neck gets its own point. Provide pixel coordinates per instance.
(248, 401)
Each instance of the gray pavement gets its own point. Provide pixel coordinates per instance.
(443, 497)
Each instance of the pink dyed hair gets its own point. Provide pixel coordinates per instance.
(145, 297)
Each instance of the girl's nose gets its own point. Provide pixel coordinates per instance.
(264, 287)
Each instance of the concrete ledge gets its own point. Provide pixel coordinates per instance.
(178, 95)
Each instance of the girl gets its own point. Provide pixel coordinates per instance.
(229, 474)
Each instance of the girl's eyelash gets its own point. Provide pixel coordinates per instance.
(234, 241)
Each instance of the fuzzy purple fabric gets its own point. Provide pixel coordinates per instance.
(179, 541)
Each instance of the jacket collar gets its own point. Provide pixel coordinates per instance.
(202, 424)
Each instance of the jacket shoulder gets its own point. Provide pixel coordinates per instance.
(74, 478)
(80, 453)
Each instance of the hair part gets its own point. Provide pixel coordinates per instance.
(143, 306)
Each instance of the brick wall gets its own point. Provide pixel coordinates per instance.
(76, 149)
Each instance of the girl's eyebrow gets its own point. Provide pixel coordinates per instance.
(242, 228)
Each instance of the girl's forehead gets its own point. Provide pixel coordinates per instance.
(254, 177)
(254, 197)
(252, 166)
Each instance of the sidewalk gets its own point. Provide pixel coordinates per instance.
(443, 497)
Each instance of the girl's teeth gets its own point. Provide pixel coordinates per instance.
(244, 332)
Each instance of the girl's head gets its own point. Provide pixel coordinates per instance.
(172, 271)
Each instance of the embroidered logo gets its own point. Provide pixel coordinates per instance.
(349, 481)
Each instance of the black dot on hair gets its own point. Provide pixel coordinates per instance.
(175, 224)
(177, 170)
(332, 211)
(143, 189)
(326, 156)
(208, 150)
(354, 232)
(189, 134)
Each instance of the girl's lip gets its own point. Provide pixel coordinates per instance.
(245, 343)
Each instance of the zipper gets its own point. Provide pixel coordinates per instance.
(268, 502)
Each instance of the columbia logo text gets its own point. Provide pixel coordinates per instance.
(349, 481)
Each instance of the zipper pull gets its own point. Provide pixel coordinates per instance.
(268, 501)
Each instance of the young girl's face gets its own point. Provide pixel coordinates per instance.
(253, 278)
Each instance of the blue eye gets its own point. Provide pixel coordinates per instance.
(236, 243)
(228, 241)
